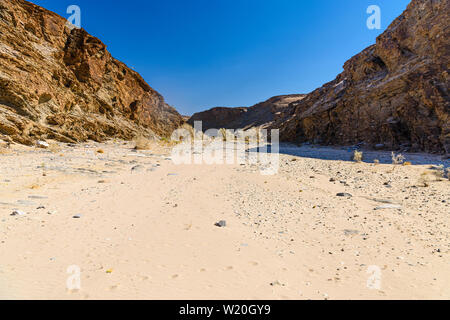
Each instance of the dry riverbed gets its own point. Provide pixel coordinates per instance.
(140, 227)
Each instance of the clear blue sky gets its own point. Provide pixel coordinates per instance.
(204, 53)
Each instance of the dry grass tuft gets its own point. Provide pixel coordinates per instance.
(397, 158)
(223, 133)
(190, 132)
(358, 156)
(439, 172)
(425, 179)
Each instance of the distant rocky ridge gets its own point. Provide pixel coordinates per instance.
(59, 82)
(394, 94)
(261, 115)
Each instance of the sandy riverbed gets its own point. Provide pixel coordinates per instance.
(149, 233)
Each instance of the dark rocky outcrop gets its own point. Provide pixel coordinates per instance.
(59, 82)
(262, 115)
(394, 93)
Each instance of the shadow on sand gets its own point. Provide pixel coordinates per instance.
(346, 154)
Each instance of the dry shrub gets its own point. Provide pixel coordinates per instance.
(189, 129)
(188, 134)
(254, 135)
(397, 158)
(425, 179)
(223, 133)
(166, 142)
(434, 174)
(358, 156)
(439, 172)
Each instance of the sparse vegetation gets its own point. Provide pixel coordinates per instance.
(358, 156)
(435, 173)
(397, 158)
(424, 179)
(439, 171)
(190, 133)
(223, 133)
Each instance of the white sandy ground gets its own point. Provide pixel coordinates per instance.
(150, 233)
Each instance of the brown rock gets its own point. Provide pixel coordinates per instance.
(59, 82)
(393, 93)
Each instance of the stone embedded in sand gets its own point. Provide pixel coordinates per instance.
(37, 197)
(42, 144)
(344, 194)
(388, 206)
(137, 168)
(78, 216)
(18, 213)
(221, 224)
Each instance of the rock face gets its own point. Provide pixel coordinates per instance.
(59, 82)
(393, 94)
(261, 115)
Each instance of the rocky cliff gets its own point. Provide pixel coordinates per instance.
(393, 94)
(59, 82)
(261, 115)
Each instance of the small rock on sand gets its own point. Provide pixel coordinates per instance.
(344, 194)
(137, 168)
(18, 213)
(42, 144)
(221, 224)
(389, 206)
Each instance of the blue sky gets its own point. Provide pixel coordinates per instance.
(205, 53)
